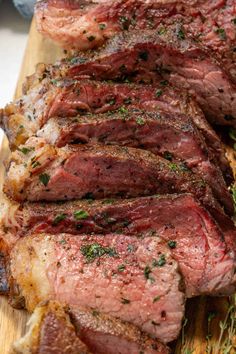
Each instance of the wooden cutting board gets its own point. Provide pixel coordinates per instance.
(202, 316)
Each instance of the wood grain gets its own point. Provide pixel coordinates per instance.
(13, 322)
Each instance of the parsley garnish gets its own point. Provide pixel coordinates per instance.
(26, 150)
(140, 121)
(172, 244)
(157, 298)
(161, 261)
(159, 93)
(221, 33)
(58, 219)
(121, 268)
(44, 178)
(93, 251)
(102, 26)
(81, 214)
(181, 34)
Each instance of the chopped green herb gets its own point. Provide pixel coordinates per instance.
(63, 242)
(121, 268)
(157, 298)
(74, 60)
(161, 30)
(26, 150)
(81, 215)
(102, 26)
(124, 21)
(44, 178)
(168, 155)
(181, 34)
(233, 190)
(159, 93)
(58, 219)
(123, 110)
(147, 272)
(172, 244)
(143, 55)
(35, 164)
(112, 101)
(125, 301)
(127, 100)
(130, 248)
(140, 121)
(93, 251)
(91, 38)
(173, 166)
(232, 133)
(221, 33)
(161, 261)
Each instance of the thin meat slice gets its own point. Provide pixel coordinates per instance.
(50, 332)
(89, 24)
(192, 235)
(179, 61)
(86, 271)
(43, 172)
(56, 97)
(53, 323)
(173, 136)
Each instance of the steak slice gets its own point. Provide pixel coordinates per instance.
(43, 172)
(51, 98)
(52, 323)
(195, 240)
(50, 332)
(173, 136)
(92, 267)
(104, 334)
(165, 56)
(211, 23)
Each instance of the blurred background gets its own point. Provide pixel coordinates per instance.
(14, 28)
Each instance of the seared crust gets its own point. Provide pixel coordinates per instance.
(50, 332)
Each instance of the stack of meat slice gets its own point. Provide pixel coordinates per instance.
(155, 228)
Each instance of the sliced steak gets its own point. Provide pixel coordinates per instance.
(173, 136)
(107, 335)
(50, 332)
(48, 173)
(48, 99)
(52, 323)
(91, 265)
(195, 240)
(211, 23)
(167, 56)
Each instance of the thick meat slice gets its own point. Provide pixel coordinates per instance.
(165, 56)
(192, 235)
(173, 136)
(50, 332)
(50, 323)
(39, 171)
(51, 98)
(117, 274)
(107, 335)
(211, 23)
